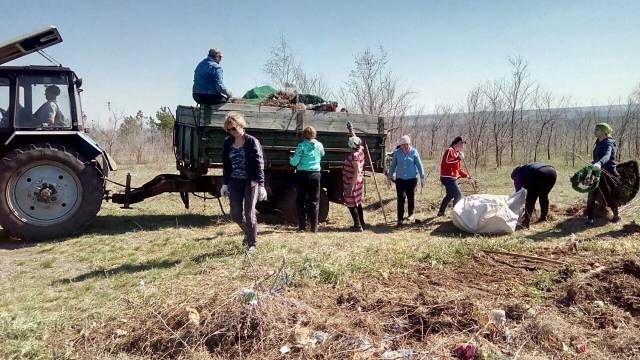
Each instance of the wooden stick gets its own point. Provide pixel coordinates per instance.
(375, 181)
(530, 257)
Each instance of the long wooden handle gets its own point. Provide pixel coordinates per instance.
(375, 180)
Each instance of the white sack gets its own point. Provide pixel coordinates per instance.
(489, 214)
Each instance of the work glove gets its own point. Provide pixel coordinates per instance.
(461, 155)
(422, 182)
(224, 190)
(389, 182)
(262, 194)
(597, 166)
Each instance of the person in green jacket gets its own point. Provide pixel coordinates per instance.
(306, 159)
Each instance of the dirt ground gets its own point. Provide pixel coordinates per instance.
(559, 303)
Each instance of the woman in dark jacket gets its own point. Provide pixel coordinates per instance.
(604, 155)
(243, 173)
(538, 179)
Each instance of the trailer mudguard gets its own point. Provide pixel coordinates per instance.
(80, 140)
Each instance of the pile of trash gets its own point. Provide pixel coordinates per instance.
(269, 96)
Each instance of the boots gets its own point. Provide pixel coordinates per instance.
(357, 227)
(361, 215)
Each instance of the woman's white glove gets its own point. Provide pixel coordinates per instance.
(461, 155)
(224, 190)
(262, 194)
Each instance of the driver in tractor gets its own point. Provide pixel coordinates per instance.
(49, 113)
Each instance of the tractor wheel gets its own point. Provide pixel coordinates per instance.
(286, 204)
(47, 192)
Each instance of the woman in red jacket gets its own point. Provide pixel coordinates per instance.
(450, 171)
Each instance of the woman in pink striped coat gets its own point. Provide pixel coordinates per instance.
(352, 181)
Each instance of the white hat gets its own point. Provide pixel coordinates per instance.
(404, 139)
(354, 142)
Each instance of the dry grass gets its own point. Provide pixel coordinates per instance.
(424, 287)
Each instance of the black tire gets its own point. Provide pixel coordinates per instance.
(286, 205)
(60, 175)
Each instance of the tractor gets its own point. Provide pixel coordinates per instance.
(52, 174)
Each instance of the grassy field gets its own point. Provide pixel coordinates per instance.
(131, 284)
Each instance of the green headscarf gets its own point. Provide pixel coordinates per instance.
(606, 128)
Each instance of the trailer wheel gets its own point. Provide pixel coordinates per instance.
(47, 192)
(286, 205)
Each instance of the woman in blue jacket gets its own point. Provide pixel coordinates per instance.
(405, 167)
(604, 157)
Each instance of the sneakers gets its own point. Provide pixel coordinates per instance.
(589, 222)
(411, 219)
(251, 249)
(440, 213)
(616, 219)
(399, 224)
(357, 229)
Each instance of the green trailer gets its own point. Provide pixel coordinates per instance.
(198, 139)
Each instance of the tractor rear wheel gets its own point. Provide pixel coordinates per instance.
(286, 205)
(47, 192)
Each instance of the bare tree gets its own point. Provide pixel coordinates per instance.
(281, 65)
(107, 133)
(286, 72)
(493, 92)
(372, 89)
(546, 113)
(442, 113)
(516, 93)
(625, 124)
(476, 119)
(308, 83)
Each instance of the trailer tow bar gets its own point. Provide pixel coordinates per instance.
(127, 193)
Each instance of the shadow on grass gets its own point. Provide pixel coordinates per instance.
(222, 251)
(447, 229)
(381, 228)
(114, 225)
(563, 229)
(627, 230)
(376, 205)
(9, 243)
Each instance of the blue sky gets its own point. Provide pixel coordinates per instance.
(141, 54)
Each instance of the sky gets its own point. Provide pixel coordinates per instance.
(140, 55)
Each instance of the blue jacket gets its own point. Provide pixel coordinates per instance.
(604, 153)
(207, 78)
(406, 167)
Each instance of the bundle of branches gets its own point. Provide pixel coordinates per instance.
(281, 99)
(629, 182)
(229, 328)
(586, 179)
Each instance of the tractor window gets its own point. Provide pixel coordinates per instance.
(43, 102)
(4, 103)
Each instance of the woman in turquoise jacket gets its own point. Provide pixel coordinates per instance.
(306, 159)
